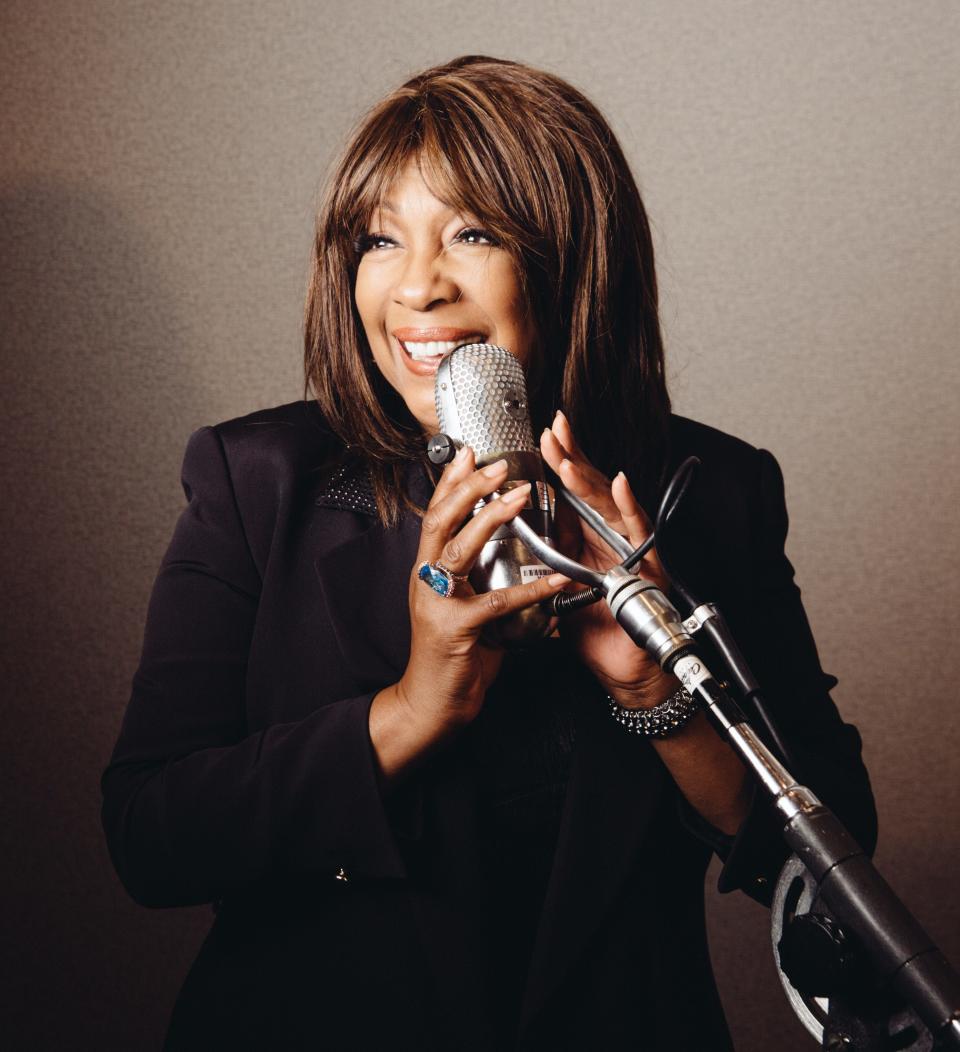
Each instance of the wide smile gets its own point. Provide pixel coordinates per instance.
(431, 348)
(422, 350)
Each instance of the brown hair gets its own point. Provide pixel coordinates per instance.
(536, 163)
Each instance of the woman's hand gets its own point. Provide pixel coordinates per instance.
(624, 670)
(705, 769)
(449, 670)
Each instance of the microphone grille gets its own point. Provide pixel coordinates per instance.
(481, 397)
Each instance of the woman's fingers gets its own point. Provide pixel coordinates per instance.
(564, 432)
(584, 477)
(614, 501)
(552, 449)
(490, 605)
(462, 550)
(633, 517)
(458, 469)
(449, 506)
(638, 525)
(577, 473)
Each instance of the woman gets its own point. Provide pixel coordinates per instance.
(410, 838)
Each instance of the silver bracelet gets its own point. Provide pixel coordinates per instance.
(661, 720)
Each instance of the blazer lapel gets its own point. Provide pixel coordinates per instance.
(364, 570)
(364, 584)
(615, 785)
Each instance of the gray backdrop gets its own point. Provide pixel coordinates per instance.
(159, 170)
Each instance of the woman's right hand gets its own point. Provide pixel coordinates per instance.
(450, 669)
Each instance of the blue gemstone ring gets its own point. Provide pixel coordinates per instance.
(439, 578)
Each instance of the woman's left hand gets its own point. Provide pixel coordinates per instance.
(625, 671)
(705, 769)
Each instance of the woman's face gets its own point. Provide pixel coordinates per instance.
(429, 280)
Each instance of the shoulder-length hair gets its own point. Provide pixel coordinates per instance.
(535, 162)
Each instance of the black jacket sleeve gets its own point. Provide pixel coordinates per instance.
(763, 608)
(194, 805)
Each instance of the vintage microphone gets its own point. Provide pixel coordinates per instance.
(481, 399)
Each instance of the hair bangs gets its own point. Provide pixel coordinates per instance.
(456, 158)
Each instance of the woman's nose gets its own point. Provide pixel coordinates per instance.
(424, 280)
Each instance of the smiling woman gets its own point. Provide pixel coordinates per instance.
(529, 160)
(430, 279)
(412, 839)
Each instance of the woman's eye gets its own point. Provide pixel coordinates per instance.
(474, 235)
(367, 242)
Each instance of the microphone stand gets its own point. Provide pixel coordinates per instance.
(856, 943)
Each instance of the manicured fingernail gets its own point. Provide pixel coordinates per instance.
(564, 463)
(620, 475)
(492, 470)
(560, 415)
(556, 579)
(461, 455)
(516, 493)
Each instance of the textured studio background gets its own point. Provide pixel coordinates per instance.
(160, 164)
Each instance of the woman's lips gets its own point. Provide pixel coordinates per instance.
(437, 343)
(436, 332)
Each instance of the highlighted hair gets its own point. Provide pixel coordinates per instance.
(536, 163)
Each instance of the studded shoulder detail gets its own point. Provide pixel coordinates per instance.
(350, 489)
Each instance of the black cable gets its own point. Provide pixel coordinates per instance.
(672, 495)
(566, 602)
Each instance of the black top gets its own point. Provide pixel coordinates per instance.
(523, 748)
(243, 777)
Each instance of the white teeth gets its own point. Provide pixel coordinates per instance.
(418, 351)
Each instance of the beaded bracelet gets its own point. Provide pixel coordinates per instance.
(660, 721)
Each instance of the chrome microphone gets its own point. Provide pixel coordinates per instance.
(481, 398)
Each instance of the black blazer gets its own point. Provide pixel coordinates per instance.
(243, 774)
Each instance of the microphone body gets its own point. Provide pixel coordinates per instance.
(481, 399)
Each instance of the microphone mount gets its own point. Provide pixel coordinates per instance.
(860, 927)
